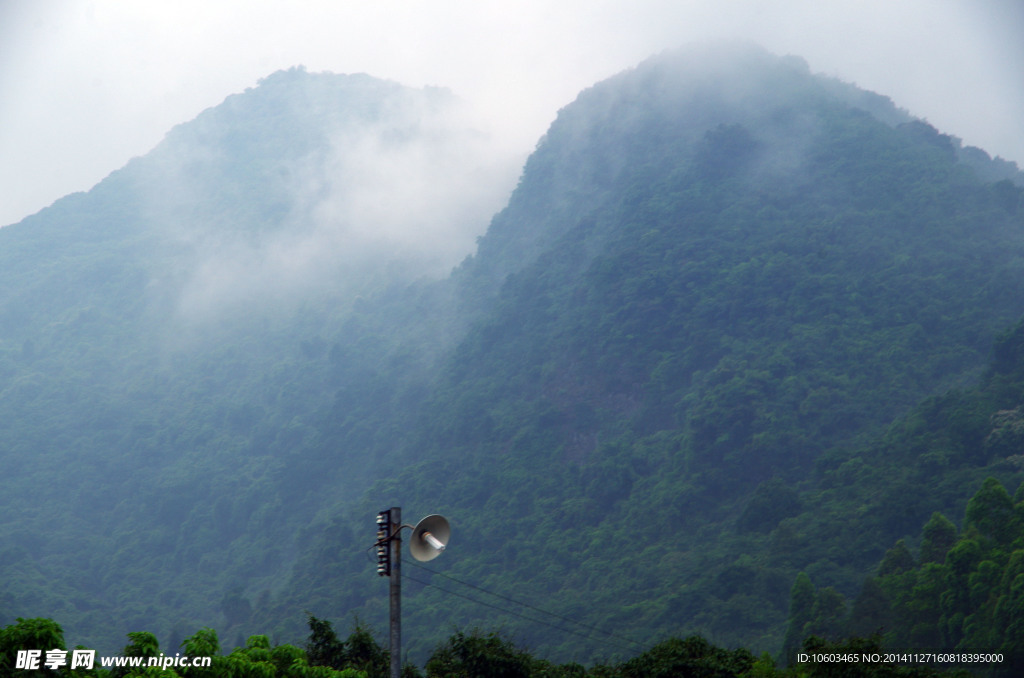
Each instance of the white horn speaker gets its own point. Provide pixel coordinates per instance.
(429, 538)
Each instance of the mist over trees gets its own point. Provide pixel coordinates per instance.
(728, 340)
(168, 337)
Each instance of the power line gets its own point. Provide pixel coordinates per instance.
(516, 614)
(527, 605)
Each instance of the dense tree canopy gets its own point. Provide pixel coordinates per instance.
(474, 654)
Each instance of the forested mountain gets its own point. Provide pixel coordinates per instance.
(671, 377)
(719, 276)
(960, 589)
(165, 341)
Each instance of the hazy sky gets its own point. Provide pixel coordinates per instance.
(86, 85)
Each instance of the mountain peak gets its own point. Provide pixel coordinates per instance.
(656, 119)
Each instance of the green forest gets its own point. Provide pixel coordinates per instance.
(473, 654)
(735, 372)
(963, 592)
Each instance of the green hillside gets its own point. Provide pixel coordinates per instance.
(663, 385)
(943, 586)
(166, 343)
(719, 278)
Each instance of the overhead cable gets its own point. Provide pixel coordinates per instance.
(523, 604)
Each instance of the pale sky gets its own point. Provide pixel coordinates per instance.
(85, 85)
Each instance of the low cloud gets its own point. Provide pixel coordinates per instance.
(385, 199)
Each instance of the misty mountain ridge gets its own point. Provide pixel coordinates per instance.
(307, 181)
(700, 88)
(718, 279)
(685, 315)
(219, 268)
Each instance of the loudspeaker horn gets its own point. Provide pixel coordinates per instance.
(429, 538)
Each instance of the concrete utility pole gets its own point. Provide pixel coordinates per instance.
(429, 539)
(396, 592)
